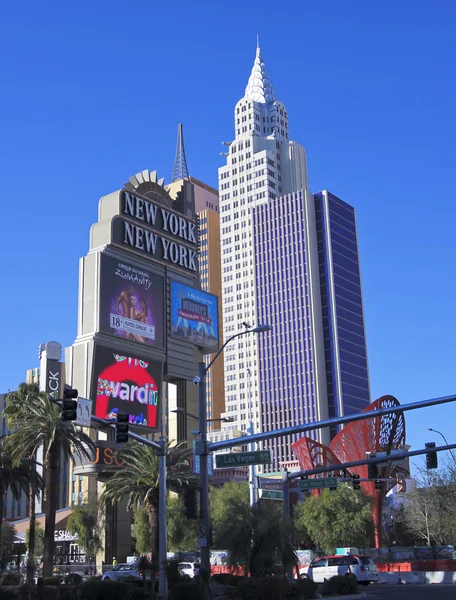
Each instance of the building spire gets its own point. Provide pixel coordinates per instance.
(259, 87)
(180, 162)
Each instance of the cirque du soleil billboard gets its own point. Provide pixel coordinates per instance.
(126, 384)
(131, 302)
(194, 316)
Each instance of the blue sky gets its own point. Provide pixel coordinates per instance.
(92, 93)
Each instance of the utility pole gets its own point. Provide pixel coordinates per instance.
(253, 482)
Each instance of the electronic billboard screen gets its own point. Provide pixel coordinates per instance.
(126, 383)
(194, 316)
(131, 302)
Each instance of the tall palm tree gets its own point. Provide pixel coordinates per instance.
(139, 479)
(37, 423)
(14, 478)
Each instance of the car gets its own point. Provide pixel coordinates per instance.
(361, 568)
(122, 571)
(189, 569)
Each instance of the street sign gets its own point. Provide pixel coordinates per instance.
(270, 484)
(201, 533)
(242, 459)
(201, 542)
(196, 462)
(84, 412)
(271, 495)
(313, 484)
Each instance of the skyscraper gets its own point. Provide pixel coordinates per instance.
(289, 259)
(262, 164)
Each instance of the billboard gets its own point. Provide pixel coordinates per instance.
(194, 316)
(131, 302)
(126, 384)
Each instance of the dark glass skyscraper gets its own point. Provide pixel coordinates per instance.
(314, 363)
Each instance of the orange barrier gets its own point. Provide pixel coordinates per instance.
(417, 565)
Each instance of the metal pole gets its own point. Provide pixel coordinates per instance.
(253, 484)
(260, 437)
(162, 533)
(286, 513)
(204, 476)
(446, 442)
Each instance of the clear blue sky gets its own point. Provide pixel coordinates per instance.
(92, 93)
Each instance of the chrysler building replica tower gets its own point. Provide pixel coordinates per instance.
(262, 165)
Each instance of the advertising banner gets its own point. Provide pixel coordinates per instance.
(126, 384)
(194, 316)
(131, 302)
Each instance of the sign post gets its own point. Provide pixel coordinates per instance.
(84, 412)
(242, 459)
(271, 495)
(315, 484)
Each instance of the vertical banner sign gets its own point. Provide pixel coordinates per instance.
(53, 377)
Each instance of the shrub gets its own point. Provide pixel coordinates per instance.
(11, 579)
(305, 589)
(272, 588)
(73, 579)
(142, 593)
(105, 590)
(8, 594)
(46, 593)
(339, 585)
(173, 574)
(185, 591)
(53, 580)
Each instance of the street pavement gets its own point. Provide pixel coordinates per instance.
(410, 592)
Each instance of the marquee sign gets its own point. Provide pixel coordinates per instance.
(156, 231)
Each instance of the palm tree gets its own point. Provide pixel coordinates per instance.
(139, 479)
(261, 540)
(37, 423)
(14, 478)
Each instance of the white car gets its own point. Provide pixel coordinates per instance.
(362, 568)
(189, 569)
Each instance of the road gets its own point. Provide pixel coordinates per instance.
(410, 592)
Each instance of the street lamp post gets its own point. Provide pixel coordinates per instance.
(446, 442)
(253, 483)
(201, 446)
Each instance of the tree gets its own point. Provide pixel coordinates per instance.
(181, 531)
(229, 503)
(337, 518)
(37, 423)
(396, 528)
(84, 522)
(431, 507)
(139, 479)
(261, 540)
(7, 538)
(142, 530)
(39, 540)
(15, 478)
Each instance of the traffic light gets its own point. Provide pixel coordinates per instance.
(431, 457)
(190, 503)
(122, 428)
(378, 484)
(372, 469)
(356, 483)
(70, 405)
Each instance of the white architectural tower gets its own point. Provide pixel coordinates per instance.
(262, 164)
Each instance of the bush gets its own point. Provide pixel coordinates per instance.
(339, 585)
(46, 593)
(73, 579)
(105, 590)
(53, 580)
(173, 574)
(226, 579)
(305, 589)
(185, 591)
(8, 594)
(11, 579)
(272, 588)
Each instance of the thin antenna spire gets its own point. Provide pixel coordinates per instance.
(258, 41)
(180, 162)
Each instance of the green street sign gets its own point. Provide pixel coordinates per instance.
(271, 495)
(242, 459)
(314, 484)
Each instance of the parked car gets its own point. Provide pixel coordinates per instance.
(189, 569)
(362, 568)
(122, 571)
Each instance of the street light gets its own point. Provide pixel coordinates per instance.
(201, 444)
(446, 442)
(181, 411)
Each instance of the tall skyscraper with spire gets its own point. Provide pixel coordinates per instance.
(289, 259)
